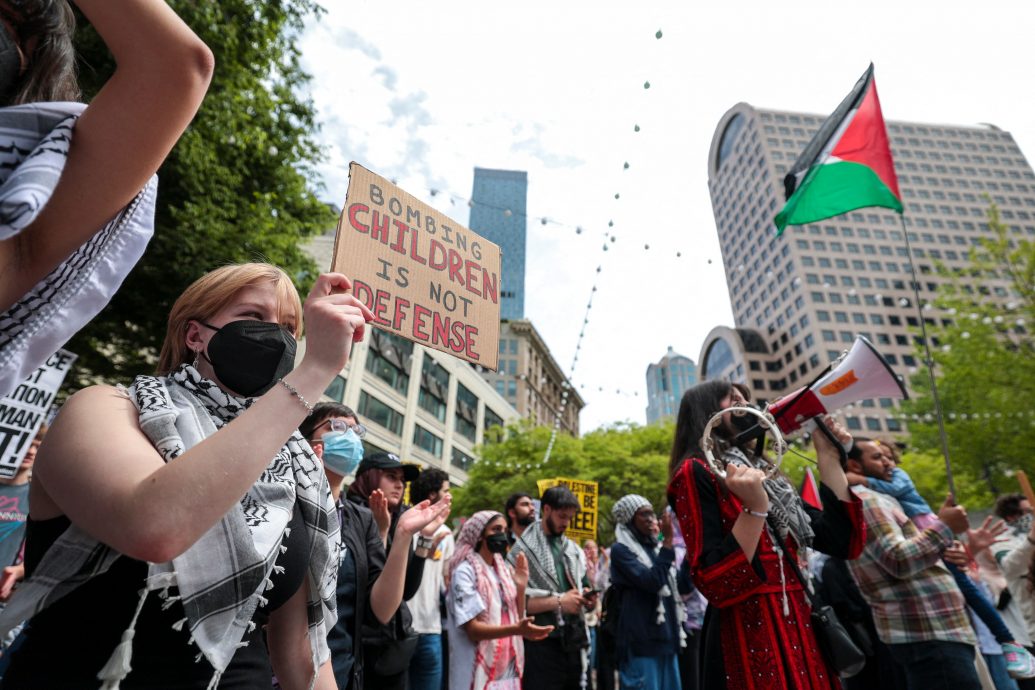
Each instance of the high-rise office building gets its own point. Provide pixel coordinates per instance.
(531, 380)
(667, 379)
(800, 299)
(498, 214)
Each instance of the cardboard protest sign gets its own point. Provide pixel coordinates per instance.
(425, 277)
(23, 411)
(584, 525)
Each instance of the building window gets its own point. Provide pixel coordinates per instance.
(372, 409)
(873, 424)
(853, 423)
(336, 391)
(422, 438)
(389, 359)
(434, 389)
(466, 417)
(461, 460)
(490, 422)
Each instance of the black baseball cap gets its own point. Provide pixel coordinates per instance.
(388, 461)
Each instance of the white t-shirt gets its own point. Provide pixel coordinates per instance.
(464, 603)
(424, 605)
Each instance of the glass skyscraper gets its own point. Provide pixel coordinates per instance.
(667, 380)
(498, 214)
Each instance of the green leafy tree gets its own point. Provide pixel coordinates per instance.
(622, 458)
(236, 186)
(985, 368)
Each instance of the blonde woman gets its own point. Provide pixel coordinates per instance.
(186, 518)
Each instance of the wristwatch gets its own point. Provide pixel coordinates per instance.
(425, 543)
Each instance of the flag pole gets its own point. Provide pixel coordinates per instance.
(929, 361)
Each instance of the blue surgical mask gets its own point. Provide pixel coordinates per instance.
(342, 451)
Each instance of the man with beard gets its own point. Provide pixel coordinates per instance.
(918, 610)
(559, 594)
(520, 513)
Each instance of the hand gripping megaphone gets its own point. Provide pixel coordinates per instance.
(860, 374)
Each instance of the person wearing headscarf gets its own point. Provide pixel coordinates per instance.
(486, 603)
(742, 533)
(650, 630)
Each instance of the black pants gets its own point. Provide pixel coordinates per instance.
(372, 680)
(688, 672)
(549, 665)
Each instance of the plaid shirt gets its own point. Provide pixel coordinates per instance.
(900, 574)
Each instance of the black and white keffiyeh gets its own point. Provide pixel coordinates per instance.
(622, 512)
(221, 579)
(785, 508)
(542, 576)
(34, 145)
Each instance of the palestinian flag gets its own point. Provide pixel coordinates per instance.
(846, 166)
(810, 490)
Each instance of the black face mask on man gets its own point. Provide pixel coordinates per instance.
(250, 356)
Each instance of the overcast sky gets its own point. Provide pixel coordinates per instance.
(423, 92)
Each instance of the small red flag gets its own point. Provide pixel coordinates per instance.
(810, 490)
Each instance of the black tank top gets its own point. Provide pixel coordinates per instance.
(66, 644)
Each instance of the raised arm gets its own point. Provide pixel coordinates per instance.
(97, 467)
(388, 592)
(161, 75)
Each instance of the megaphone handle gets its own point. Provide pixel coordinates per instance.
(842, 451)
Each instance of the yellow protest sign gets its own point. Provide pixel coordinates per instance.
(584, 525)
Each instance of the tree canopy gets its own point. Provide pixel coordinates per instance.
(985, 368)
(623, 458)
(235, 188)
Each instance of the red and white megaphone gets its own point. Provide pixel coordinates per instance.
(860, 374)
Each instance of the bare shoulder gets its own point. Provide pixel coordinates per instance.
(96, 422)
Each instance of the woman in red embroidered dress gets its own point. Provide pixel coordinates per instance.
(757, 634)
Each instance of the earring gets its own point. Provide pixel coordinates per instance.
(195, 363)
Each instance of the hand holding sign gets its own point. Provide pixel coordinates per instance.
(423, 276)
(334, 319)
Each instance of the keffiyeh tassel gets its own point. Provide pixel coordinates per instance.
(118, 666)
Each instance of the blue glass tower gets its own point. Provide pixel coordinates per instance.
(498, 214)
(667, 380)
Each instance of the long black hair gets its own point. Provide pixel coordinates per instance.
(699, 404)
(50, 73)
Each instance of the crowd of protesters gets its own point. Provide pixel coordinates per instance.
(195, 530)
(344, 568)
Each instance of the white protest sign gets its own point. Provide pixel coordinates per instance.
(23, 411)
